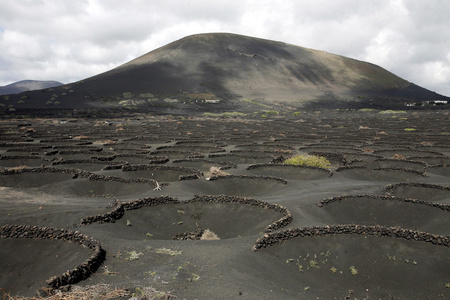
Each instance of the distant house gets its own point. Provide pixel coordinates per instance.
(438, 102)
(212, 101)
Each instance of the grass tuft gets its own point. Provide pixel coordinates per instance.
(133, 255)
(308, 160)
(168, 251)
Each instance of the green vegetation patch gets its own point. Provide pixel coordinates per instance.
(353, 270)
(146, 95)
(127, 94)
(133, 255)
(200, 96)
(272, 112)
(308, 160)
(168, 251)
(392, 112)
(225, 114)
(253, 101)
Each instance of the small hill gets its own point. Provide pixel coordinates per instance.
(228, 72)
(27, 85)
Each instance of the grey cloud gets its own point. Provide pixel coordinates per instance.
(72, 40)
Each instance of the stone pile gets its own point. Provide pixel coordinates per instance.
(188, 177)
(187, 236)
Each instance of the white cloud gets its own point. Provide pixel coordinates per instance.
(72, 40)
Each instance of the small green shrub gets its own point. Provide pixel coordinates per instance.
(365, 109)
(195, 277)
(353, 270)
(146, 95)
(296, 113)
(272, 112)
(133, 255)
(389, 111)
(138, 292)
(409, 129)
(233, 114)
(168, 251)
(225, 114)
(308, 160)
(254, 101)
(314, 264)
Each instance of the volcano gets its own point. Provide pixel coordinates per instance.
(229, 72)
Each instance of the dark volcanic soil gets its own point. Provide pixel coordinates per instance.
(112, 174)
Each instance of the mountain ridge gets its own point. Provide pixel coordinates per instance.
(27, 85)
(230, 68)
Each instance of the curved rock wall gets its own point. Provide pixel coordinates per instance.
(80, 272)
(120, 209)
(444, 207)
(271, 239)
(282, 222)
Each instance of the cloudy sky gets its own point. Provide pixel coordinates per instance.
(68, 40)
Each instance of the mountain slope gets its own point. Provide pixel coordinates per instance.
(229, 67)
(27, 85)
